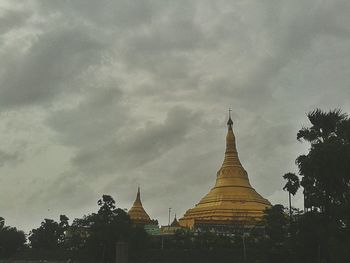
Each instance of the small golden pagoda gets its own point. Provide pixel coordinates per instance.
(232, 201)
(137, 213)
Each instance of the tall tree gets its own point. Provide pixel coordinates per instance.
(292, 187)
(325, 171)
(98, 232)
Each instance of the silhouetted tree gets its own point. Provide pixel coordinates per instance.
(50, 234)
(98, 233)
(325, 172)
(11, 240)
(325, 169)
(63, 227)
(292, 187)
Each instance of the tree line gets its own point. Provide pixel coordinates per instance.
(318, 233)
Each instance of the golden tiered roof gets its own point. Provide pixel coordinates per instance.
(137, 213)
(232, 201)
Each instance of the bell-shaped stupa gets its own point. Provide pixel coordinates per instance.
(137, 213)
(232, 201)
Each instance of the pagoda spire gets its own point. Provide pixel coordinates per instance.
(229, 122)
(137, 213)
(231, 155)
(138, 197)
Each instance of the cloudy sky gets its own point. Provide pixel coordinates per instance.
(97, 97)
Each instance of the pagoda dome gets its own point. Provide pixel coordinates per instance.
(137, 213)
(232, 201)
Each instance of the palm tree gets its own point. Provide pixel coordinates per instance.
(292, 187)
(325, 125)
(323, 175)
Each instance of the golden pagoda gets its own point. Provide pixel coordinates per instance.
(137, 213)
(232, 201)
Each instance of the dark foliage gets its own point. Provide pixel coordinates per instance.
(97, 233)
(325, 172)
(276, 223)
(11, 240)
(50, 234)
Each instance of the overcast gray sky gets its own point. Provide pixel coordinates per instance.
(99, 96)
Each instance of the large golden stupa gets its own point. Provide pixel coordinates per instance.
(232, 201)
(137, 213)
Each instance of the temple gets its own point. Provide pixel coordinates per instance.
(232, 202)
(172, 228)
(137, 213)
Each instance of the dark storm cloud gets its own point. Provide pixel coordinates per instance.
(109, 94)
(108, 142)
(98, 116)
(6, 157)
(12, 18)
(49, 67)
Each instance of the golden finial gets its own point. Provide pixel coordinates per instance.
(229, 122)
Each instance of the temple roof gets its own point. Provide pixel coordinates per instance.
(175, 223)
(232, 200)
(137, 213)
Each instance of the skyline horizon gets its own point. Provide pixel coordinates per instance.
(139, 186)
